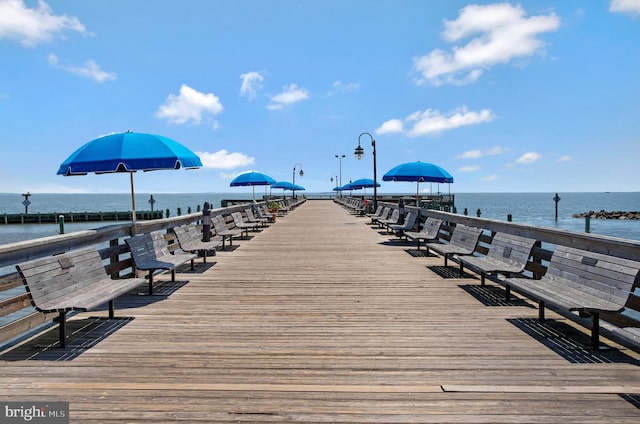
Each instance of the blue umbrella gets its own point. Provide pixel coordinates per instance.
(419, 172)
(360, 184)
(252, 179)
(129, 152)
(285, 185)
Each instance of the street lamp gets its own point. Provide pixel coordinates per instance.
(293, 192)
(359, 154)
(336, 180)
(294, 172)
(339, 157)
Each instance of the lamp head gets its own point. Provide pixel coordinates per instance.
(359, 152)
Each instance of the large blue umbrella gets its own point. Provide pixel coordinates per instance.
(252, 179)
(418, 172)
(129, 152)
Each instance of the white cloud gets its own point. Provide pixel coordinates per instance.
(529, 157)
(470, 154)
(470, 168)
(474, 154)
(340, 87)
(630, 7)
(431, 122)
(90, 69)
(499, 33)
(222, 159)
(490, 177)
(251, 84)
(565, 158)
(189, 106)
(31, 27)
(391, 126)
(290, 94)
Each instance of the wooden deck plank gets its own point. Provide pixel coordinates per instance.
(322, 318)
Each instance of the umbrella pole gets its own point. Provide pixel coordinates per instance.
(418, 193)
(133, 204)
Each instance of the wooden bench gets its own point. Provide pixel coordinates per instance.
(581, 281)
(407, 225)
(150, 253)
(245, 226)
(508, 254)
(393, 219)
(223, 231)
(463, 242)
(190, 240)
(430, 231)
(72, 281)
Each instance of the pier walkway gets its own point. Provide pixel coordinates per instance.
(322, 318)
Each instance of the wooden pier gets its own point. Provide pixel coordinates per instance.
(322, 318)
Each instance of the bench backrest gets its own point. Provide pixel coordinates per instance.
(57, 277)
(465, 237)
(187, 235)
(512, 249)
(219, 225)
(410, 220)
(147, 246)
(394, 215)
(431, 227)
(610, 277)
(237, 218)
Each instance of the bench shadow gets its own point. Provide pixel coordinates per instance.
(570, 343)
(450, 272)
(161, 289)
(392, 242)
(490, 295)
(633, 399)
(200, 267)
(422, 253)
(82, 334)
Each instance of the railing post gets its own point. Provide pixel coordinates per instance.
(206, 222)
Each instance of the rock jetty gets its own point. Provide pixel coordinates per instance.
(608, 215)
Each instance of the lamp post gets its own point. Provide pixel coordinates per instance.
(340, 157)
(359, 154)
(294, 176)
(336, 180)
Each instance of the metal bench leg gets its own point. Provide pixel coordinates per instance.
(111, 310)
(507, 292)
(173, 274)
(150, 282)
(446, 256)
(461, 268)
(62, 323)
(204, 256)
(595, 330)
(192, 266)
(482, 279)
(541, 310)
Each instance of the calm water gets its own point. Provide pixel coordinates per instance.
(526, 208)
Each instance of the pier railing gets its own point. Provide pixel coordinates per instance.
(18, 317)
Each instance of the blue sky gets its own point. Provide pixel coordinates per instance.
(527, 96)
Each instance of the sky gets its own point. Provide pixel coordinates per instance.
(526, 96)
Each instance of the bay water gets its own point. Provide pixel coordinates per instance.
(526, 208)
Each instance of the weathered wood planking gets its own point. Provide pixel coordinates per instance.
(322, 318)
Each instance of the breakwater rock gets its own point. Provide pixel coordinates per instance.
(608, 215)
